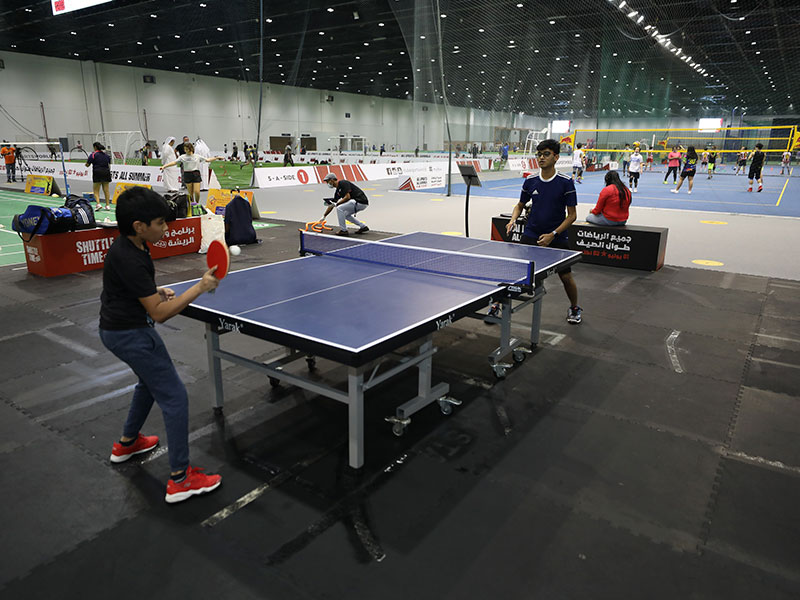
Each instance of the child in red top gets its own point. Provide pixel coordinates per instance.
(612, 205)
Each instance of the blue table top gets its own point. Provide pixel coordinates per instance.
(353, 305)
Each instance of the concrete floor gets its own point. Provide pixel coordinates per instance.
(649, 452)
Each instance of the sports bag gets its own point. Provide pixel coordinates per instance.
(42, 220)
(178, 206)
(82, 211)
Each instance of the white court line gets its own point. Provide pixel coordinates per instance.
(673, 353)
(72, 345)
(777, 337)
(776, 362)
(85, 403)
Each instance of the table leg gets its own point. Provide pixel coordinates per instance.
(536, 319)
(214, 366)
(355, 416)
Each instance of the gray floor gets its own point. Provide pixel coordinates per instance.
(649, 452)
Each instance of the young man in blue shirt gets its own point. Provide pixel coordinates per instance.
(553, 199)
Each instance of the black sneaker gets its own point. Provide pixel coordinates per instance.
(574, 314)
(494, 312)
(364, 229)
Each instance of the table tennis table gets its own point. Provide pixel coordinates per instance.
(357, 302)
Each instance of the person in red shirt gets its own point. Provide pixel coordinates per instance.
(612, 205)
(674, 159)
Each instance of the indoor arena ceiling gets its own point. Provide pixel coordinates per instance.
(590, 58)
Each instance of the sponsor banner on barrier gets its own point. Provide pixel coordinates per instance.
(433, 176)
(218, 199)
(85, 250)
(79, 172)
(523, 164)
(267, 177)
(121, 187)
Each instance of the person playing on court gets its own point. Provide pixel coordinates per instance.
(650, 160)
(756, 164)
(287, 156)
(191, 169)
(626, 160)
(347, 200)
(635, 169)
(786, 162)
(689, 170)
(674, 161)
(704, 160)
(712, 162)
(741, 163)
(101, 173)
(612, 204)
(577, 163)
(145, 154)
(553, 199)
(235, 152)
(130, 303)
(9, 153)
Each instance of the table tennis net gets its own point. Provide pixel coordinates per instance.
(440, 262)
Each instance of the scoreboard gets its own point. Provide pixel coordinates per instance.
(64, 6)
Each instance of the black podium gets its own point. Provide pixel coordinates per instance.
(471, 178)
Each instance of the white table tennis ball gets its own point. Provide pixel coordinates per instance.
(235, 250)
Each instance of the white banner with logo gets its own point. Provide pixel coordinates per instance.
(79, 172)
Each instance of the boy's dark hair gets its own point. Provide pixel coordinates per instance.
(579, 146)
(551, 145)
(139, 204)
(759, 145)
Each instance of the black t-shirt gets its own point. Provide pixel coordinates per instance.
(128, 274)
(758, 159)
(356, 193)
(180, 149)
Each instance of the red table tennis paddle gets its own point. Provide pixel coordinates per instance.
(218, 256)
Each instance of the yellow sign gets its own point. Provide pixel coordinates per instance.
(121, 187)
(40, 184)
(218, 199)
(708, 263)
(715, 222)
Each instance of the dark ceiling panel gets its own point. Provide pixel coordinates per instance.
(538, 57)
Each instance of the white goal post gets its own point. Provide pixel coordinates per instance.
(123, 147)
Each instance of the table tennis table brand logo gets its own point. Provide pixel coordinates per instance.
(226, 325)
(446, 322)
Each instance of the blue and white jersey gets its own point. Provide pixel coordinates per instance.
(550, 199)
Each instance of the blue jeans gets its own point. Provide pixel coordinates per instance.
(601, 220)
(11, 171)
(143, 351)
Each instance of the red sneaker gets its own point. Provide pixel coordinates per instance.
(749, 189)
(195, 483)
(759, 188)
(144, 443)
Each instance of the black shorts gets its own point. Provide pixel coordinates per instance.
(755, 173)
(192, 177)
(634, 176)
(558, 242)
(742, 163)
(101, 175)
(689, 173)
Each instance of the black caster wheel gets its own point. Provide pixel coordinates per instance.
(274, 382)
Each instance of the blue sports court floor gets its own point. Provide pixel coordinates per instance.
(723, 193)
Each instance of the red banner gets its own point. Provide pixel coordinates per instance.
(76, 251)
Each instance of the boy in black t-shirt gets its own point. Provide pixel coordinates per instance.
(130, 303)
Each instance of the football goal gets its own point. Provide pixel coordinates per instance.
(124, 147)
